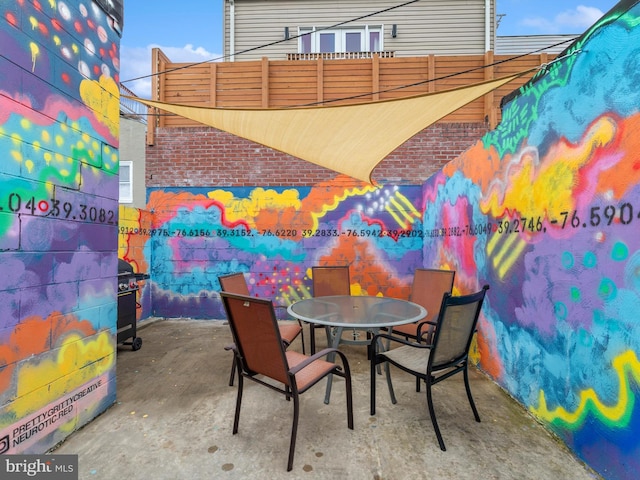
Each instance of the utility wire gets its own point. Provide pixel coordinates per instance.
(252, 49)
(353, 97)
(400, 87)
(543, 66)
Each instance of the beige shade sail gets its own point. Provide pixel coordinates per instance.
(349, 139)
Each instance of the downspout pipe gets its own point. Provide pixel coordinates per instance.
(232, 30)
(487, 25)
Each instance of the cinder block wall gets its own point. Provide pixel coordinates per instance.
(59, 108)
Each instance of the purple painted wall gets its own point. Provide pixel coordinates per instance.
(59, 106)
(546, 209)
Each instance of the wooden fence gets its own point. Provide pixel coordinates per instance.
(294, 83)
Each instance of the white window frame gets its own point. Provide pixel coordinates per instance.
(340, 37)
(125, 198)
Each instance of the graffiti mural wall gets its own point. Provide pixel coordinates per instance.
(59, 106)
(134, 231)
(276, 236)
(546, 209)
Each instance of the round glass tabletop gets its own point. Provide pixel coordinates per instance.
(357, 311)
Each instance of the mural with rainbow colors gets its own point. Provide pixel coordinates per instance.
(276, 236)
(553, 195)
(546, 209)
(59, 120)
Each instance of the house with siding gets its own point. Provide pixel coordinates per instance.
(290, 29)
(524, 44)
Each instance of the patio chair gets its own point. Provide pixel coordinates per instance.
(237, 283)
(445, 356)
(327, 281)
(429, 285)
(260, 356)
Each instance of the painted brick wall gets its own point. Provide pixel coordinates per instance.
(58, 219)
(203, 156)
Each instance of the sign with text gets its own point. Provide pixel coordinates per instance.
(50, 467)
(24, 435)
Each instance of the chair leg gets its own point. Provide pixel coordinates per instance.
(468, 388)
(312, 335)
(233, 371)
(294, 430)
(349, 390)
(432, 414)
(302, 339)
(392, 394)
(372, 393)
(418, 384)
(236, 419)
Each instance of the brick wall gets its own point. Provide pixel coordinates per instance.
(204, 156)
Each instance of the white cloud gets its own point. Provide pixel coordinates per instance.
(135, 63)
(575, 20)
(581, 17)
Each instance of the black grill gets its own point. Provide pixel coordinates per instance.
(127, 304)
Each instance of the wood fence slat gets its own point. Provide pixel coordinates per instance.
(289, 83)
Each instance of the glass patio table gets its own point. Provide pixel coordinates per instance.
(356, 313)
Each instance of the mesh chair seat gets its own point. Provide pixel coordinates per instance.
(426, 290)
(410, 358)
(289, 331)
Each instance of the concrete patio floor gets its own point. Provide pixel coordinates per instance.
(174, 416)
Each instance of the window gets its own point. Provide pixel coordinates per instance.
(126, 182)
(353, 39)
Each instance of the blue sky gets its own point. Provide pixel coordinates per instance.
(191, 30)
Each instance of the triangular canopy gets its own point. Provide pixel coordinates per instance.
(349, 139)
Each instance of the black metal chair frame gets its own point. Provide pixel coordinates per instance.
(422, 293)
(434, 372)
(290, 390)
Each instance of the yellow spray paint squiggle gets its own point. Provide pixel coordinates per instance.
(618, 415)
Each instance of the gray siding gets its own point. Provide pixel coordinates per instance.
(521, 44)
(441, 27)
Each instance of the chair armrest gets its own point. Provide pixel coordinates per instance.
(317, 356)
(393, 338)
(431, 324)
